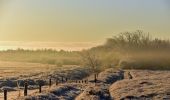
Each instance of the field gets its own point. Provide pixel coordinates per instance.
(12, 73)
(17, 69)
(112, 84)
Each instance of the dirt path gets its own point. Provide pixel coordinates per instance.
(97, 92)
(100, 90)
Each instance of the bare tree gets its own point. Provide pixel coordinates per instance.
(91, 60)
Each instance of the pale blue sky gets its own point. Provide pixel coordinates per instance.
(81, 20)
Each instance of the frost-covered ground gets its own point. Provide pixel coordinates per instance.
(13, 75)
(60, 92)
(111, 84)
(145, 85)
(80, 90)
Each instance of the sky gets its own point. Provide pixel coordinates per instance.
(81, 20)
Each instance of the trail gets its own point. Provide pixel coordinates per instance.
(100, 90)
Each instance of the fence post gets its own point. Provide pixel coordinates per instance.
(95, 78)
(50, 82)
(25, 88)
(56, 82)
(66, 79)
(5, 94)
(40, 88)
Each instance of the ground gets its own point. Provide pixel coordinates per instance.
(78, 83)
(150, 85)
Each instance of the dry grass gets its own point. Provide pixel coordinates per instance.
(16, 69)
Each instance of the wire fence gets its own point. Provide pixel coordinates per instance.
(22, 91)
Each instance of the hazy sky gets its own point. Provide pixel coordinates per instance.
(81, 20)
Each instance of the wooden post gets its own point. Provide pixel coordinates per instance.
(25, 88)
(50, 82)
(5, 94)
(56, 82)
(40, 87)
(66, 79)
(95, 78)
